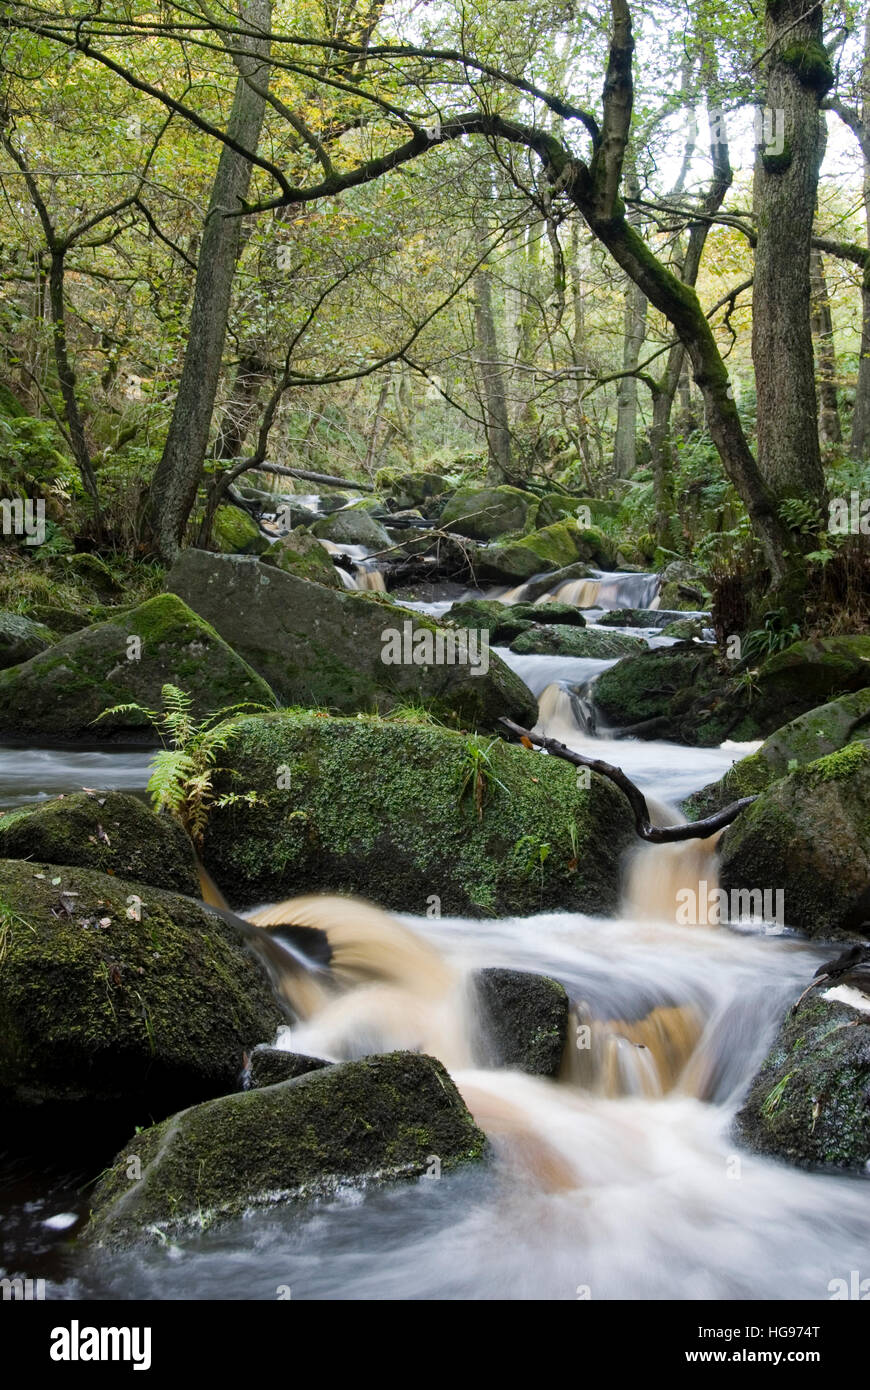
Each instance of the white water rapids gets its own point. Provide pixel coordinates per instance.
(620, 1180)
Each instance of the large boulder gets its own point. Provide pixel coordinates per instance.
(352, 526)
(324, 647)
(809, 835)
(399, 812)
(553, 548)
(302, 554)
(685, 692)
(59, 693)
(486, 512)
(556, 505)
(562, 640)
(808, 1104)
(805, 739)
(21, 638)
(641, 617)
(807, 674)
(384, 1118)
(109, 831)
(522, 1020)
(410, 489)
(235, 532)
(118, 998)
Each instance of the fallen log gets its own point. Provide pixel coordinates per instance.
(653, 834)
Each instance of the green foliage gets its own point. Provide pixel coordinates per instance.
(478, 775)
(775, 634)
(183, 770)
(33, 464)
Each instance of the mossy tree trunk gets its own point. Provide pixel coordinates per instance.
(176, 479)
(786, 184)
(830, 428)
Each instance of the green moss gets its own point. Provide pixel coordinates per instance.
(808, 1103)
(384, 809)
(99, 1007)
(236, 533)
(379, 1119)
(811, 64)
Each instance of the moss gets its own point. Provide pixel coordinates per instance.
(99, 1008)
(60, 692)
(483, 513)
(574, 641)
(387, 809)
(810, 62)
(114, 833)
(236, 533)
(808, 1103)
(809, 834)
(379, 1119)
(302, 554)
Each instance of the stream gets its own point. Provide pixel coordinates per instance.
(620, 1180)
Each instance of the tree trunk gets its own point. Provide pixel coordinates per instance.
(860, 439)
(178, 474)
(830, 430)
(498, 434)
(786, 184)
(67, 381)
(240, 413)
(633, 333)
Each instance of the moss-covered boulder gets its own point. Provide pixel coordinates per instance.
(119, 997)
(381, 1119)
(482, 513)
(410, 489)
(399, 812)
(352, 526)
(302, 554)
(640, 617)
(807, 674)
(325, 647)
(685, 692)
(552, 548)
(110, 831)
(686, 629)
(235, 532)
(809, 834)
(684, 586)
(59, 693)
(561, 640)
(652, 693)
(484, 614)
(59, 620)
(556, 505)
(802, 741)
(21, 638)
(522, 1020)
(808, 1103)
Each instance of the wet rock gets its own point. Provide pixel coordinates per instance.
(408, 490)
(574, 641)
(813, 735)
(523, 1020)
(810, 1102)
(809, 834)
(398, 811)
(352, 526)
(118, 999)
(269, 1065)
(319, 646)
(302, 554)
(235, 532)
(381, 1119)
(482, 513)
(642, 617)
(110, 831)
(21, 638)
(59, 693)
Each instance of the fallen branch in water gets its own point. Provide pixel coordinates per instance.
(655, 835)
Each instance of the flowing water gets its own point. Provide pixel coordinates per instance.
(621, 1179)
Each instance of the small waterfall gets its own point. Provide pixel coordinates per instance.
(366, 573)
(602, 590)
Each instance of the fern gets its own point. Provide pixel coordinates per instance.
(183, 770)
